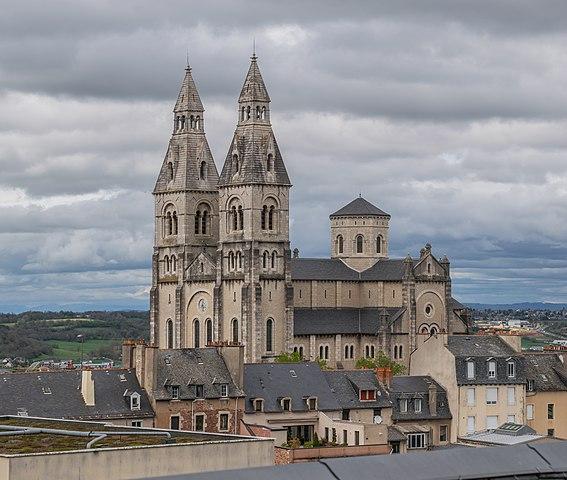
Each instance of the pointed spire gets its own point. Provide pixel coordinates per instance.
(254, 89)
(188, 98)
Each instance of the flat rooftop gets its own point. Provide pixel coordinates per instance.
(48, 442)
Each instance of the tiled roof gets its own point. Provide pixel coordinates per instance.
(353, 321)
(479, 346)
(345, 385)
(546, 371)
(58, 395)
(360, 207)
(334, 269)
(412, 387)
(188, 367)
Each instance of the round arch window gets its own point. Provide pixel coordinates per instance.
(429, 310)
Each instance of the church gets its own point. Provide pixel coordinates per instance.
(223, 271)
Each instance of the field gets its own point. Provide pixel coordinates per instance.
(64, 350)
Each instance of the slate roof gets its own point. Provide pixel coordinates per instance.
(58, 395)
(520, 462)
(346, 321)
(188, 367)
(481, 349)
(333, 269)
(546, 371)
(416, 386)
(345, 385)
(254, 89)
(188, 98)
(360, 207)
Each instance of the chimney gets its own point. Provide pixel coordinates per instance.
(88, 387)
(432, 398)
(233, 356)
(385, 376)
(128, 347)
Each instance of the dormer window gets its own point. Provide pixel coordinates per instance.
(470, 370)
(224, 390)
(175, 392)
(530, 385)
(367, 395)
(491, 369)
(199, 391)
(258, 405)
(417, 405)
(135, 401)
(286, 404)
(403, 404)
(312, 403)
(511, 369)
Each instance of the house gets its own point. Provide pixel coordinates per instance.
(546, 395)
(299, 400)
(197, 389)
(109, 395)
(420, 413)
(484, 376)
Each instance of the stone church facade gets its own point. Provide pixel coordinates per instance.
(223, 270)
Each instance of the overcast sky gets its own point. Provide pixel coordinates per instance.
(449, 115)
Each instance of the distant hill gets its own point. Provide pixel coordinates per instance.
(519, 306)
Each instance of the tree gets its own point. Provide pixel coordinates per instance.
(293, 357)
(381, 361)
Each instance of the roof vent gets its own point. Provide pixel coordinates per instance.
(293, 374)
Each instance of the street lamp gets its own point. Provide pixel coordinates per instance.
(82, 340)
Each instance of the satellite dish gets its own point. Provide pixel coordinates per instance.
(377, 419)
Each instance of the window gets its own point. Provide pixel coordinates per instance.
(491, 395)
(379, 244)
(511, 395)
(224, 390)
(403, 404)
(199, 391)
(169, 171)
(491, 369)
(551, 432)
(416, 440)
(511, 369)
(199, 422)
(417, 405)
(346, 414)
(136, 423)
(471, 424)
(203, 171)
(235, 335)
(170, 333)
(492, 422)
(235, 163)
(271, 213)
(265, 260)
(429, 310)
(340, 244)
(530, 385)
(286, 404)
(367, 395)
(223, 422)
(134, 401)
(511, 419)
(258, 405)
(209, 330)
(196, 333)
(359, 244)
(175, 392)
(174, 422)
(240, 218)
(274, 257)
(312, 403)
(530, 411)
(550, 411)
(443, 433)
(270, 162)
(470, 370)
(471, 397)
(356, 437)
(269, 335)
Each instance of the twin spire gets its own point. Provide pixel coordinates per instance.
(188, 99)
(254, 89)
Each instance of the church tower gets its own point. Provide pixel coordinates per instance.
(186, 217)
(254, 294)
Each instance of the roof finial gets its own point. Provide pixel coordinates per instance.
(359, 194)
(187, 66)
(254, 57)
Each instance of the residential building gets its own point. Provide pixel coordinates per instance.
(507, 434)
(104, 395)
(484, 376)
(197, 389)
(546, 395)
(222, 267)
(420, 412)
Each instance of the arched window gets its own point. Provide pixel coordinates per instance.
(257, 112)
(209, 330)
(191, 122)
(270, 162)
(359, 244)
(395, 352)
(346, 352)
(231, 260)
(197, 222)
(234, 329)
(265, 260)
(326, 352)
(428, 268)
(203, 171)
(234, 218)
(269, 335)
(240, 218)
(378, 244)
(433, 330)
(196, 334)
(263, 113)
(352, 351)
(169, 171)
(169, 328)
(242, 113)
(321, 351)
(271, 218)
(166, 261)
(264, 216)
(424, 330)
(235, 163)
(204, 222)
(239, 260)
(168, 224)
(174, 218)
(198, 122)
(248, 112)
(274, 258)
(340, 244)
(176, 125)
(173, 264)
(183, 122)
(400, 353)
